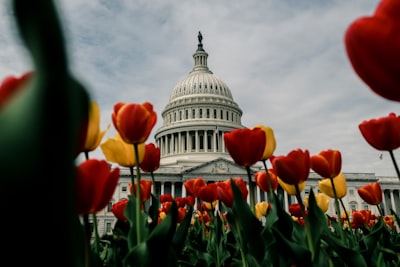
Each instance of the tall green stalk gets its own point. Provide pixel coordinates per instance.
(251, 189)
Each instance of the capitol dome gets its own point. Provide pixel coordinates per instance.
(200, 109)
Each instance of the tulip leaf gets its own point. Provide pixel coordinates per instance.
(131, 215)
(182, 232)
(250, 226)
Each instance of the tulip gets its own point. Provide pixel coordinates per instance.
(145, 190)
(118, 209)
(339, 182)
(95, 185)
(11, 85)
(322, 200)
(117, 151)
(151, 159)
(208, 193)
(93, 135)
(293, 168)
(270, 144)
(134, 122)
(382, 133)
(295, 210)
(372, 45)
(360, 218)
(291, 189)
(262, 209)
(327, 163)
(193, 186)
(262, 180)
(371, 193)
(246, 146)
(225, 192)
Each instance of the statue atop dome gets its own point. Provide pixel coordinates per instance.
(200, 46)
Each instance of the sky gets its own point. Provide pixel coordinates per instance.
(283, 60)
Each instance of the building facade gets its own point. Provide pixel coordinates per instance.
(200, 110)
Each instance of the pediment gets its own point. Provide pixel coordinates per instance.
(217, 167)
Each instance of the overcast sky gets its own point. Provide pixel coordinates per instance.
(283, 60)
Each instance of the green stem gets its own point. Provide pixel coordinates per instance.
(244, 263)
(138, 198)
(96, 235)
(251, 189)
(271, 190)
(306, 222)
(154, 185)
(337, 208)
(394, 163)
(88, 234)
(380, 210)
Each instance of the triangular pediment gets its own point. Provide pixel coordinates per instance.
(220, 166)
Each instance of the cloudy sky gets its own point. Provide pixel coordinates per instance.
(283, 60)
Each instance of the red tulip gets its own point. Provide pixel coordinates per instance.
(262, 180)
(193, 185)
(246, 146)
(118, 209)
(371, 193)
(11, 85)
(295, 210)
(360, 218)
(166, 198)
(134, 122)
(225, 193)
(372, 44)
(208, 193)
(293, 168)
(382, 133)
(95, 185)
(151, 159)
(327, 163)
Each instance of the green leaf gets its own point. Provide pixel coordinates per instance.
(182, 232)
(249, 225)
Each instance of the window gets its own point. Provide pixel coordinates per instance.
(180, 115)
(123, 188)
(109, 206)
(193, 113)
(186, 114)
(227, 115)
(221, 115)
(351, 192)
(353, 205)
(201, 140)
(108, 227)
(215, 113)
(208, 113)
(201, 113)
(209, 138)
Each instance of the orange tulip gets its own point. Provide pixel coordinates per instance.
(262, 180)
(134, 122)
(382, 133)
(151, 160)
(246, 146)
(371, 193)
(327, 163)
(95, 185)
(293, 168)
(145, 190)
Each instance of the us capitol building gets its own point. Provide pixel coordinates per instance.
(200, 110)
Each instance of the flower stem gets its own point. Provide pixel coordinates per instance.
(271, 190)
(394, 163)
(88, 250)
(138, 198)
(337, 208)
(251, 189)
(306, 222)
(154, 185)
(96, 234)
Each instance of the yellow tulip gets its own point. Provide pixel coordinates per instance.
(325, 186)
(270, 144)
(322, 200)
(261, 209)
(117, 151)
(291, 189)
(94, 135)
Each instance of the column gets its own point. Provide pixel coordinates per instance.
(187, 141)
(392, 200)
(197, 141)
(173, 189)
(179, 149)
(162, 188)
